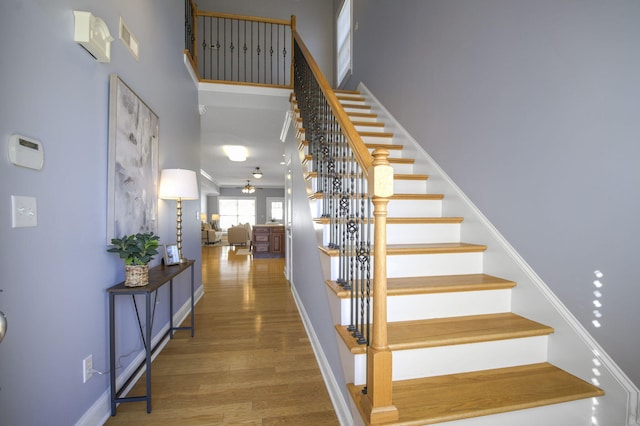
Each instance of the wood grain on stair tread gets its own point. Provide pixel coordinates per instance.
(435, 284)
(350, 98)
(401, 220)
(407, 176)
(428, 197)
(396, 176)
(368, 123)
(436, 332)
(392, 160)
(440, 399)
(357, 106)
(433, 248)
(346, 92)
(362, 114)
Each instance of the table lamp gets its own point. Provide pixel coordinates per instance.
(178, 184)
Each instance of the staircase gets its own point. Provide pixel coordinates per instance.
(458, 350)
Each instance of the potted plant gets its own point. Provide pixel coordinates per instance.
(137, 251)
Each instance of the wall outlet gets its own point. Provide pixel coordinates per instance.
(87, 368)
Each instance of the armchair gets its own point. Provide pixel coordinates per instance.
(239, 235)
(210, 235)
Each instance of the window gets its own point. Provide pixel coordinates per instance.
(234, 211)
(343, 42)
(275, 209)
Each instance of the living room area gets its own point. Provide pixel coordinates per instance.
(229, 216)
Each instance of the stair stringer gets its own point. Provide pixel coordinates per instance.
(571, 347)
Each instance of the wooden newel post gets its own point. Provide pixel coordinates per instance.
(377, 404)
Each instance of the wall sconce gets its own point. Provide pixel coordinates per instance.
(178, 184)
(93, 34)
(257, 173)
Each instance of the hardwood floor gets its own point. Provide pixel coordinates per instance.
(250, 362)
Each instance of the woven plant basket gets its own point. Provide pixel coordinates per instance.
(136, 275)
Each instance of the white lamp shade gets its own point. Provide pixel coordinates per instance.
(178, 184)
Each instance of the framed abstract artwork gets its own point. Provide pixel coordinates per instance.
(133, 163)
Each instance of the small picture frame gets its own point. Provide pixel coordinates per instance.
(171, 254)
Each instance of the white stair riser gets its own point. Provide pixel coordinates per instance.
(409, 186)
(365, 128)
(445, 305)
(425, 264)
(574, 413)
(443, 360)
(352, 101)
(380, 139)
(415, 233)
(414, 208)
(349, 109)
(438, 305)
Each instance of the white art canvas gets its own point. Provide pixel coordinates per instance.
(133, 163)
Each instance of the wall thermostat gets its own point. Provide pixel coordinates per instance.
(26, 152)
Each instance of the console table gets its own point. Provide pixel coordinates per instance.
(158, 276)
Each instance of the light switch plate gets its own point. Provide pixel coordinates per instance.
(24, 212)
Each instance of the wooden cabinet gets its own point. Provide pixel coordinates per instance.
(268, 241)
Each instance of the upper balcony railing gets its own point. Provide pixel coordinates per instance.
(239, 49)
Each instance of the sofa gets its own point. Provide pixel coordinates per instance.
(239, 235)
(210, 235)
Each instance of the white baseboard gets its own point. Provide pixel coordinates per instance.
(339, 404)
(100, 411)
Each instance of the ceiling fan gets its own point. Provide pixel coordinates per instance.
(248, 188)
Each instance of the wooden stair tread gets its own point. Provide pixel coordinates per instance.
(320, 195)
(479, 393)
(350, 97)
(304, 143)
(435, 284)
(356, 106)
(346, 92)
(436, 332)
(376, 134)
(396, 176)
(361, 114)
(388, 146)
(392, 160)
(404, 220)
(406, 176)
(368, 123)
(436, 248)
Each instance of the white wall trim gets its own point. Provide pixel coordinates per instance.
(633, 394)
(339, 404)
(100, 411)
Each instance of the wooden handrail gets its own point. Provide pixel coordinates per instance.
(245, 18)
(352, 136)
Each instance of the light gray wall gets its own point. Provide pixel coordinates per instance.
(532, 107)
(314, 22)
(306, 269)
(54, 276)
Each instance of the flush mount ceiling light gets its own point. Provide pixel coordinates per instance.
(257, 173)
(248, 188)
(235, 152)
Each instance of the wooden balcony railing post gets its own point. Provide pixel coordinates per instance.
(293, 48)
(377, 404)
